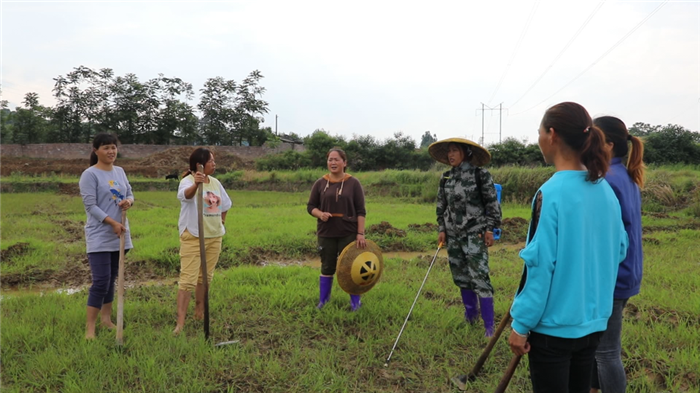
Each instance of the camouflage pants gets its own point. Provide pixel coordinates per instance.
(469, 263)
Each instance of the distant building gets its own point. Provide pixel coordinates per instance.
(291, 140)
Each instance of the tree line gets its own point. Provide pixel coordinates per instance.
(669, 144)
(156, 111)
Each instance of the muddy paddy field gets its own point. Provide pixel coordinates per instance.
(265, 291)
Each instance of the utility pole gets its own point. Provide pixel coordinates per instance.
(484, 107)
(500, 115)
(276, 126)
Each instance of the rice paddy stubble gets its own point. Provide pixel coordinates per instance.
(288, 345)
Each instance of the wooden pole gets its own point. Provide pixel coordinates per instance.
(120, 284)
(503, 384)
(202, 251)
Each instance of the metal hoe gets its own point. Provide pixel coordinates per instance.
(386, 364)
(461, 380)
(203, 259)
(120, 285)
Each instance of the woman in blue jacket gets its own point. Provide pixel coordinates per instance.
(575, 244)
(625, 180)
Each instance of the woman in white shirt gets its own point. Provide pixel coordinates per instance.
(214, 230)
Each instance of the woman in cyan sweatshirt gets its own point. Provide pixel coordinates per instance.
(626, 180)
(575, 244)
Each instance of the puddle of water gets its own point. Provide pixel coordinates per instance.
(41, 290)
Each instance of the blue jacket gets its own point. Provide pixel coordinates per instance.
(571, 258)
(629, 276)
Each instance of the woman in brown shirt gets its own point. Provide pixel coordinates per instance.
(337, 201)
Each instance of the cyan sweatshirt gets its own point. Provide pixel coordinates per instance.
(572, 259)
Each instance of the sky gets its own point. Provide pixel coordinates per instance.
(381, 67)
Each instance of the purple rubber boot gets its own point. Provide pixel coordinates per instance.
(486, 304)
(325, 285)
(471, 311)
(355, 302)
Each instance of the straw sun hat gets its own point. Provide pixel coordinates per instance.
(438, 150)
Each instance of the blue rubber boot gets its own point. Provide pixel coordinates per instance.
(486, 304)
(471, 310)
(325, 286)
(355, 302)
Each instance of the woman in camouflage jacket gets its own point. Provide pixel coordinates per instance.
(467, 213)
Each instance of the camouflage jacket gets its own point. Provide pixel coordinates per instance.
(461, 208)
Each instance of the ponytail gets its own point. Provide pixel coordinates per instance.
(93, 158)
(635, 163)
(594, 156)
(624, 144)
(573, 124)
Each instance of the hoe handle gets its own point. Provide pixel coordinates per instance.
(202, 251)
(120, 285)
(487, 351)
(503, 384)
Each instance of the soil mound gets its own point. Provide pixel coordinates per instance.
(427, 227)
(384, 228)
(174, 160)
(514, 230)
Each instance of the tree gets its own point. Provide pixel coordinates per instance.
(672, 144)
(363, 152)
(249, 109)
(427, 139)
(643, 129)
(318, 144)
(6, 122)
(514, 152)
(171, 115)
(396, 153)
(127, 115)
(218, 114)
(30, 123)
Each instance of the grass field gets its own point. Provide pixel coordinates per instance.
(286, 345)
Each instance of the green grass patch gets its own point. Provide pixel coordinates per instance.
(286, 345)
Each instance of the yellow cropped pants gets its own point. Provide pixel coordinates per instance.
(190, 262)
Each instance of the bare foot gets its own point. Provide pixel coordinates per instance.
(109, 325)
(177, 330)
(90, 335)
(198, 315)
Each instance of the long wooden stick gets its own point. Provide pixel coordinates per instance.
(503, 384)
(120, 284)
(202, 251)
(487, 351)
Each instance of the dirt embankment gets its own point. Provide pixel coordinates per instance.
(172, 161)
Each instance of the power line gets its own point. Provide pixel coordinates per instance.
(517, 46)
(621, 40)
(568, 44)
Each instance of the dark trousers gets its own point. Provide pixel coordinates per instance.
(104, 267)
(608, 371)
(562, 365)
(329, 248)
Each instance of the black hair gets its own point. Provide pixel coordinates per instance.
(575, 127)
(624, 144)
(101, 140)
(200, 155)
